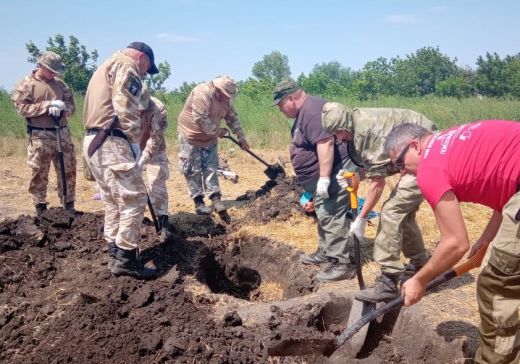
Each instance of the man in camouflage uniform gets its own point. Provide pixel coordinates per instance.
(199, 129)
(42, 98)
(367, 128)
(112, 102)
(154, 159)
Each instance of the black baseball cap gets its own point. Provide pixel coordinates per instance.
(145, 48)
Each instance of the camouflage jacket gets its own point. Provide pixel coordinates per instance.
(200, 118)
(154, 124)
(371, 126)
(115, 89)
(32, 97)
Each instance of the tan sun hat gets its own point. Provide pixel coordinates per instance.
(227, 85)
(52, 61)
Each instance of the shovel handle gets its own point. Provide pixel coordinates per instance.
(457, 271)
(228, 136)
(352, 188)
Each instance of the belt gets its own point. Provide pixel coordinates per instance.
(111, 132)
(31, 128)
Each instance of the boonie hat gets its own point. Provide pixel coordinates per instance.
(227, 85)
(145, 48)
(284, 88)
(52, 61)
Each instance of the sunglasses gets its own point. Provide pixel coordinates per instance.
(399, 162)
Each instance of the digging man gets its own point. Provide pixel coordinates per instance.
(40, 98)
(199, 130)
(112, 112)
(480, 163)
(316, 159)
(367, 128)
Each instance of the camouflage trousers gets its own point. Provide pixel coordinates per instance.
(398, 230)
(41, 151)
(156, 173)
(498, 292)
(122, 190)
(199, 166)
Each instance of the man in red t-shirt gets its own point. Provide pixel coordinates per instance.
(480, 163)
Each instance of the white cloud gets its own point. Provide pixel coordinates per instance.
(401, 18)
(174, 38)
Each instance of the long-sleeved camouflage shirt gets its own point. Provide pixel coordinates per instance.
(115, 89)
(199, 120)
(154, 124)
(32, 98)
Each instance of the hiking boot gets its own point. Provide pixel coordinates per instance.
(411, 268)
(384, 289)
(166, 229)
(200, 207)
(218, 205)
(40, 208)
(69, 206)
(336, 272)
(318, 257)
(128, 263)
(112, 251)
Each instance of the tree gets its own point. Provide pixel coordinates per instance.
(330, 79)
(274, 67)
(155, 82)
(80, 64)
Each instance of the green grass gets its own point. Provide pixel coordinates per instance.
(267, 128)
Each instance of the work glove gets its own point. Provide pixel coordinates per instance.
(342, 181)
(54, 111)
(357, 228)
(136, 149)
(59, 104)
(322, 188)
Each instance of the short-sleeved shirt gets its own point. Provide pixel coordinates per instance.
(478, 162)
(307, 130)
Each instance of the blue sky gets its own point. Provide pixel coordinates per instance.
(201, 39)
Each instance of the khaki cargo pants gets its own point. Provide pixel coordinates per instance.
(498, 292)
(398, 229)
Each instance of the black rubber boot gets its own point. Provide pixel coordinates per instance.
(318, 257)
(112, 252)
(218, 205)
(40, 208)
(384, 289)
(336, 272)
(70, 207)
(200, 207)
(127, 263)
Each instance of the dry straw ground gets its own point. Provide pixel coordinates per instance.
(453, 308)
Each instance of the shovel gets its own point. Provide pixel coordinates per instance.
(272, 171)
(61, 159)
(328, 346)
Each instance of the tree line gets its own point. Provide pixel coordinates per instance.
(426, 72)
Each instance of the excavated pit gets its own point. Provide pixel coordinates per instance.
(59, 303)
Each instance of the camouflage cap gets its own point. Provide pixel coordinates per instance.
(284, 88)
(335, 117)
(52, 61)
(227, 85)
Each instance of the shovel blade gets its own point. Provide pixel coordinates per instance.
(298, 347)
(274, 170)
(358, 310)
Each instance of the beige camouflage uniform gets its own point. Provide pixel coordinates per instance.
(32, 97)
(397, 228)
(198, 126)
(153, 145)
(115, 89)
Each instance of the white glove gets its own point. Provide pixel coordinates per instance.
(137, 151)
(322, 188)
(59, 104)
(54, 111)
(357, 228)
(141, 162)
(342, 181)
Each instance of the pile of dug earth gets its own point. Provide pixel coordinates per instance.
(59, 303)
